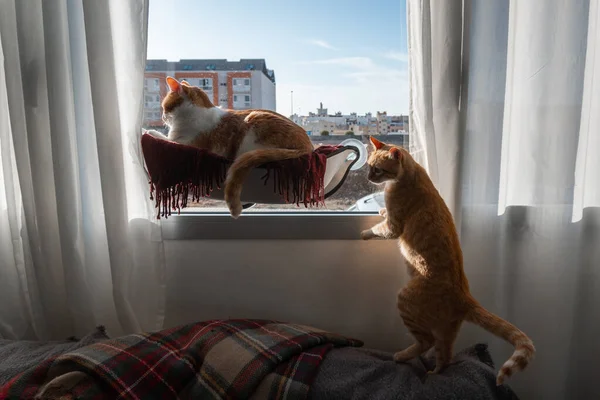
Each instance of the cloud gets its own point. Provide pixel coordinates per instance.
(353, 62)
(396, 55)
(368, 87)
(321, 43)
(380, 75)
(363, 69)
(358, 83)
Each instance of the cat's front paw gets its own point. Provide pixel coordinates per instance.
(154, 133)
(367, 234)
(383, 212)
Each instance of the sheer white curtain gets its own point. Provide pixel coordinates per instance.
(79, 245)
(513, 143)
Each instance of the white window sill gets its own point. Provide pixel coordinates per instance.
(266, 225)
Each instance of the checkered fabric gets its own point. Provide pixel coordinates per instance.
(218, 359)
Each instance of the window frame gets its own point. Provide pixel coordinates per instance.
(296, 224)
(303, 224)
(236, 82)
(203, 83)
(292, 225)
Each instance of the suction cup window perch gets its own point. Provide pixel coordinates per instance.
(178, 172)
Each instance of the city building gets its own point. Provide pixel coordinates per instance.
(321, 112)
(383, 127)
(398, 124)
(367, 124)
(237, 85)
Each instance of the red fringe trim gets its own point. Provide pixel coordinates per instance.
(177, 170)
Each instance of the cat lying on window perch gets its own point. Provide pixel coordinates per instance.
(209, 148)
(179, 173)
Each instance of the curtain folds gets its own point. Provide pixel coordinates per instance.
(80, 246)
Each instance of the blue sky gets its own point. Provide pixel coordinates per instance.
(351, 55)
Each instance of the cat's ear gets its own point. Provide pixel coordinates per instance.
(173, 84)
(395, 153)
(376, 143)
(185, 83)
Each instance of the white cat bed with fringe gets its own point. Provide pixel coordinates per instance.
(178, 172)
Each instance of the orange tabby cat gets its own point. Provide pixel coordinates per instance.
(249, 137)
(436, 300)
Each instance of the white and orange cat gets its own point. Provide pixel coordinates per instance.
(248, 137)
(436, 300)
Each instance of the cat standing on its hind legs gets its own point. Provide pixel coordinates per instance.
(436, 300)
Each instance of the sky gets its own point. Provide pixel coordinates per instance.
(350, 55)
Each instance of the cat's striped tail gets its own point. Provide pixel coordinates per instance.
(238, 171)
(524, 350)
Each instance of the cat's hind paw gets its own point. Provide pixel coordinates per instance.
(402, 356)
(235, 209)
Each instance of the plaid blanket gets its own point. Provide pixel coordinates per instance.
(220, 359)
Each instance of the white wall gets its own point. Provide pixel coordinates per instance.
(345, 286)
(267, 93)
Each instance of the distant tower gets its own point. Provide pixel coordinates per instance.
(321, 112)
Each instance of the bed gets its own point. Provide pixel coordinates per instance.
(235, 359)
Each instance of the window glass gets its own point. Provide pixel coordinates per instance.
(345, 81)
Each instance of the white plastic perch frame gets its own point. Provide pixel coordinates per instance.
(339, 164)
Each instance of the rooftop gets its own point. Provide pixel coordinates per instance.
(251, 64)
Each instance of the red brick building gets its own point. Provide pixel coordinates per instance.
(243, 84)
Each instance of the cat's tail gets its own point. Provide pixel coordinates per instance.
(524, 350)
(241, 167)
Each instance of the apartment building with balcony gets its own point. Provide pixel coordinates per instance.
(238, 85)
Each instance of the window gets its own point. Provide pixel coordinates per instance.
(205, 84)
(322, 83)
(241, 101)
(241, 82)
(151, 84)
